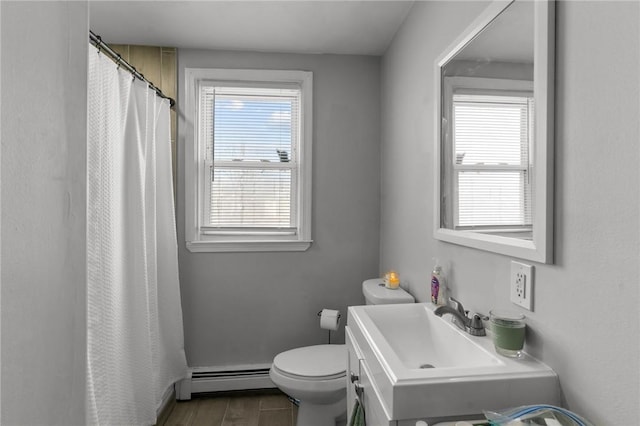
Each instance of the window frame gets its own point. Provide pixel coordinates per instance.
(479, 86)
(198, 236)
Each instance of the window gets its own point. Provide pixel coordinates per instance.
(490, 160)
(491, 143)
(250, 164)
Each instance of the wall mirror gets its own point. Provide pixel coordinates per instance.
(494, 133)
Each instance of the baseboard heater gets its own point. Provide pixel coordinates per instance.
(205, 380)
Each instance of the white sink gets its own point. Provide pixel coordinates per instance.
(415, 336)
(424, 366)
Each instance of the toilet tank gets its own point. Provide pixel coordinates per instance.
(375, 293)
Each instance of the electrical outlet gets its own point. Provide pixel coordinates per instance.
(521, 285)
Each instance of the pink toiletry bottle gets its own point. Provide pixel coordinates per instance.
(438, 288)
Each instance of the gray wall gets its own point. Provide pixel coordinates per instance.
(44, 134)
(586, 322)
(244, 308)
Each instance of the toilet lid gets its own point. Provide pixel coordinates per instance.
(320, 361)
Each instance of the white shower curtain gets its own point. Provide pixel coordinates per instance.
(135, 343)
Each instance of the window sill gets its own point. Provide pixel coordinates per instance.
(246, 246)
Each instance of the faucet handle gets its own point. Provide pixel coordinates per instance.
(476, 326)
(458, 306)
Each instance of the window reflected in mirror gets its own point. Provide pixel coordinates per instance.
(487, 183)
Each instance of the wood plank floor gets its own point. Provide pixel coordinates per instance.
(266, 408)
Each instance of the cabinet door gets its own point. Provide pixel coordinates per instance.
(375, 415)
(354, 355)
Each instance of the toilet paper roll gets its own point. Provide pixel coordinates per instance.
(329, 319)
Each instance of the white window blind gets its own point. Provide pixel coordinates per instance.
(251, 137)
(491, 140)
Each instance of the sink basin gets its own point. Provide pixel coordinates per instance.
(423, 366)
(419, 339)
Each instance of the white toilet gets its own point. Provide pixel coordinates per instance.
(315, 375)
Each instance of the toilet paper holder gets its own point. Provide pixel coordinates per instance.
(339, 317)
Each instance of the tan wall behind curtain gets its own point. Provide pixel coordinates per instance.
(158, 65)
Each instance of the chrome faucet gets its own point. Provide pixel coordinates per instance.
(473, 325)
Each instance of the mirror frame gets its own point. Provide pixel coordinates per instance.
(540, 247)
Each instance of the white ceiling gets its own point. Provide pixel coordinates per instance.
(294, 26)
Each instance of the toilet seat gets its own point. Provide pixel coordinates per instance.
(319, 362)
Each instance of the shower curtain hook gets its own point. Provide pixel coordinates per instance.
(119, 60)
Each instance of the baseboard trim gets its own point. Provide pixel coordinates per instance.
(166, 406)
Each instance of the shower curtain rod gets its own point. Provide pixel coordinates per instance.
(96, 40)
